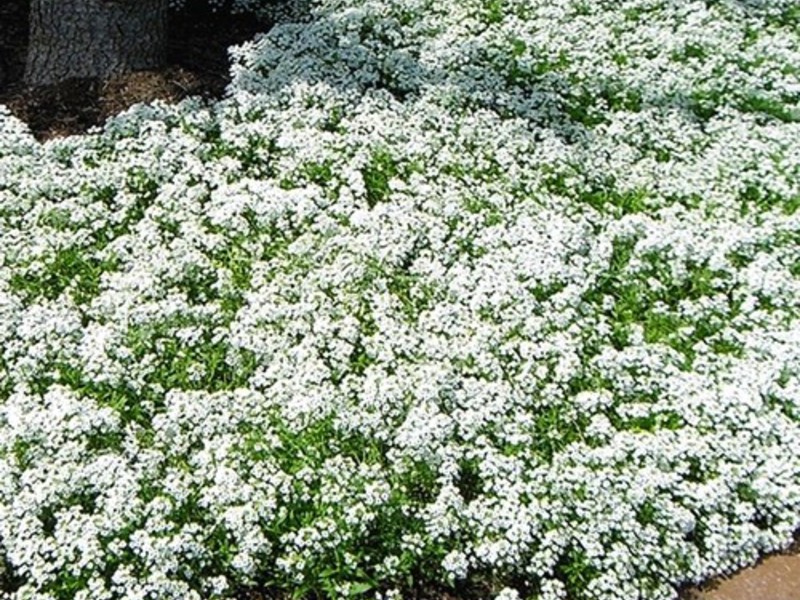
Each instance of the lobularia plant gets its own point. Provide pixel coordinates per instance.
(492, 294)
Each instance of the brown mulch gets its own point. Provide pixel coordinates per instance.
(197, 65)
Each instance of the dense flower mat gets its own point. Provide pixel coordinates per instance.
(495, 295)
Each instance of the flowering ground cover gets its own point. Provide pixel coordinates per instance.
(495, 295)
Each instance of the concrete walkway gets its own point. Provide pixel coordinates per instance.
(774, 578)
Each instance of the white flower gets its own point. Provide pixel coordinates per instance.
(507, 594)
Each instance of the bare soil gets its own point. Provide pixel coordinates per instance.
(775, 577)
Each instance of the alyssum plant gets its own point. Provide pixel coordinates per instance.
(499, 296)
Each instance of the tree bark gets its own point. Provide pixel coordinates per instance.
(94, 38)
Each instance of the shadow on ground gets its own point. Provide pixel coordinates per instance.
(197, 65)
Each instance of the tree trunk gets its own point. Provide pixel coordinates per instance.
(94, 38)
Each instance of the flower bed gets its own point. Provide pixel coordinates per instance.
(495, 295)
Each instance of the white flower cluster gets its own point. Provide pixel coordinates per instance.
(491, 292)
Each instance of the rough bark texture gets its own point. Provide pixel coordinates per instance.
(94, 38)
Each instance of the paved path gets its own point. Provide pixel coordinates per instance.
(775, 578)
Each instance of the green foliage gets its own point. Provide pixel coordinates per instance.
(377, 175)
